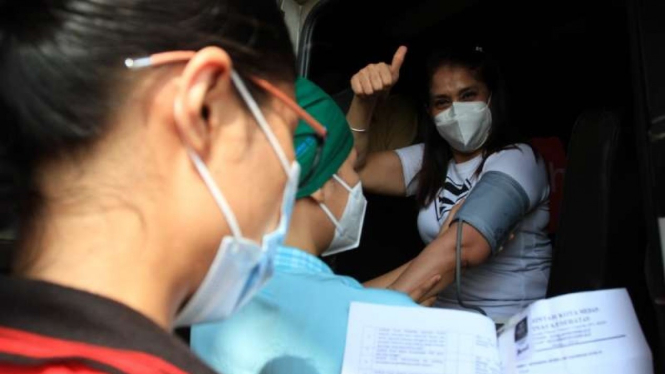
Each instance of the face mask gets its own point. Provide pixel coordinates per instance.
(241, 266)
(349, 227)
(465, 126)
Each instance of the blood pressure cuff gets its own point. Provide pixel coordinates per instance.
(494, 207)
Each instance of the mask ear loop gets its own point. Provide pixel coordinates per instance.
(458, 271)
(331, 216)
(261, 120)
(217, 195)
(327, 211)
(341, 181)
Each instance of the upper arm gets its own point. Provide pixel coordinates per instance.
(392, 172)
(439, 258)
(382, 174)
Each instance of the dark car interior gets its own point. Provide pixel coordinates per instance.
(573, 70)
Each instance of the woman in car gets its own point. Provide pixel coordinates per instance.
(468, 161)
(147, 149)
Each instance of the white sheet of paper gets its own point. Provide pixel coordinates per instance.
(409, 340)
(588, 332)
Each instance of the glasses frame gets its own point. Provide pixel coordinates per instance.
(320, 131)
(320, 142)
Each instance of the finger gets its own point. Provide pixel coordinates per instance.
(398, 59)
(424, 288)
(356, 86)
(449, 219)
(429, 302)
(456, 208)
(386, 76)
(375, 79)
(365, 83)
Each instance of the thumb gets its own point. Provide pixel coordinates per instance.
(398, 59)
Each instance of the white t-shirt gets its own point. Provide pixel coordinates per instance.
(517, 275)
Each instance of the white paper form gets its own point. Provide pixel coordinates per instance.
(590, 332)
(408, 340)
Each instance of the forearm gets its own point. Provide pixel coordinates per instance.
(439, 258)
(436, 258)
(387, 279)
(359, 117)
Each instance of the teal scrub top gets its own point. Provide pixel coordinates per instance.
(296, 323)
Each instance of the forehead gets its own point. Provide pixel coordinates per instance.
(449, 80)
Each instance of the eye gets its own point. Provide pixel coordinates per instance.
(441, 103)
(469, 96)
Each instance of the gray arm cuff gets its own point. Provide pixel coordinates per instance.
(494, 207)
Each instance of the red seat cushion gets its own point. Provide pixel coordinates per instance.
(554, 154)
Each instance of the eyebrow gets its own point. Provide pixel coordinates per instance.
(470, 88)
(460, 92)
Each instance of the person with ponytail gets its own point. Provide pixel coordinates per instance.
(148, 166)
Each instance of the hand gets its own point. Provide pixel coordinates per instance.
(418, 295)
(377, 79)
(428, 302)
(451, 215)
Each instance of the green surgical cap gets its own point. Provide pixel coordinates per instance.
(338, 142)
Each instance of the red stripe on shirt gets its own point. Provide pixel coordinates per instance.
(21, 343)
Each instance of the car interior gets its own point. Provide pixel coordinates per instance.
(570, 68)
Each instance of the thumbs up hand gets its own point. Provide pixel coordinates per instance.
(378, 79)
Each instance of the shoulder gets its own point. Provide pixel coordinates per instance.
(525, 166)
(412, 151)
(411, 159)
(520, 153)
(516, 160)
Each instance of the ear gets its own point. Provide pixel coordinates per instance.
(209, 69)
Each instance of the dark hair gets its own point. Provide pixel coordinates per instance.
(62, 68)
(437, 152)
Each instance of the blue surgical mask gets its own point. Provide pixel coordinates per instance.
(241, 266)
